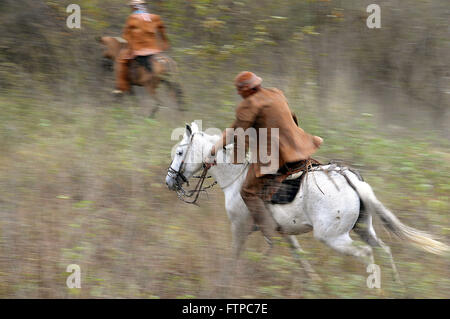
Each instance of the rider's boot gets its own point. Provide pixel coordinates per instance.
(262, 218)
(270, 229)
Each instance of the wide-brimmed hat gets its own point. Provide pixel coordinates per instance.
(247, 80)
(136, 2)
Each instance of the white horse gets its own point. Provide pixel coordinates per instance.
(331, 202)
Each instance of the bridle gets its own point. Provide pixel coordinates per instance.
(179, 174)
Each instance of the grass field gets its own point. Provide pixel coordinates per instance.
(84, 184)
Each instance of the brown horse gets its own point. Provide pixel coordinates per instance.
(163, 68)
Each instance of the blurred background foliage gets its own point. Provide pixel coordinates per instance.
(82, 174)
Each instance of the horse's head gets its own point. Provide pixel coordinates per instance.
(111, 49)
(188, 158)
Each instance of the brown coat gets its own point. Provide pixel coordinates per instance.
(142, 31)
(268, 108)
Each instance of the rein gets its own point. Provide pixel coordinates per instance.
(183, 194)
(237, 177)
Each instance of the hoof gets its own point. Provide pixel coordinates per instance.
(117, 93)
(314, 277)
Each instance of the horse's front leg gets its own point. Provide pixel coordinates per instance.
(239, 231)
(298, 254)
(151, 88)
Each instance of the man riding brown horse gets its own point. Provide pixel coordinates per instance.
(141, 31)
(266, 108)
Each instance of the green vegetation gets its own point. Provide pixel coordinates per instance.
(82, 175)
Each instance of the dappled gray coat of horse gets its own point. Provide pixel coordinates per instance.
(331, 201)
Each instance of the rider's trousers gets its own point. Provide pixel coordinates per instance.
(254, 192)
(122, 75)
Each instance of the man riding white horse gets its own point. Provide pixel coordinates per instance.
(264, 108)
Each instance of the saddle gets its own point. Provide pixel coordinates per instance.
(145, 61)
(288, 181)
(157, 64)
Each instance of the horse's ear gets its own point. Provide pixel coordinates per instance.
(188, 130)
(194, 127)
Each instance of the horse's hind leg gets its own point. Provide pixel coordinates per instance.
(387, 250)
(157, 106)
(176, 89)
(298, 253)
(365, 230)
(344, 244)
(151, 88)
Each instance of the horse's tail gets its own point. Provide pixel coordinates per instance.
(415, 237)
